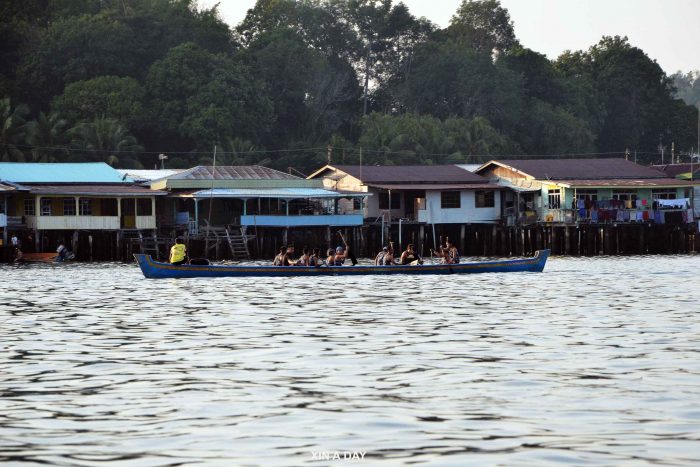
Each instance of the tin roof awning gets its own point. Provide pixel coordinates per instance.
(281, 193)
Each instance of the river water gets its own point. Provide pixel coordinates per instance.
(593, 362)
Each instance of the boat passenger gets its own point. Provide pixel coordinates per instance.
(290, 255)
(281, 259)
(342, 252)
(178, 252)
(18, 255)
(448, 253)
(410, 257)
(314, 259)
(62, 252)
(330, 260)
(379, 259)
(304, 258)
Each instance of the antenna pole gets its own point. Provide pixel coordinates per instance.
(211, 192)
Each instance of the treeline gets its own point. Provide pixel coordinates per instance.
(298, 81)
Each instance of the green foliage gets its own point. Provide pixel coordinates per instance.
(75, 49)
(49, 137)
(201, 98)
(12, 131)
(100, 75)
(687, 87)
(104, 139)
(108, 96)
(422, 139)
(450, 80)
(484, 25)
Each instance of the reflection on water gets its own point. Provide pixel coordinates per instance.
(594, 362)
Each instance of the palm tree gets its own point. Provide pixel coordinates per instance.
(12, 131)
(48, 137)
(105, 139)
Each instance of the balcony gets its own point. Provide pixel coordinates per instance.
(86, 222)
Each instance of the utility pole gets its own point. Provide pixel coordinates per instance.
(330, 149)
(673, 152)
(369, 50)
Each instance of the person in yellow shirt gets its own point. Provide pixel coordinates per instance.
(178, 252)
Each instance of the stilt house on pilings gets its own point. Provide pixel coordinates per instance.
(90, 207)
(236, 211)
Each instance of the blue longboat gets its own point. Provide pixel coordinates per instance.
(156, 270)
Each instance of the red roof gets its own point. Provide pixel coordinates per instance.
(581, 169)
(420, 174)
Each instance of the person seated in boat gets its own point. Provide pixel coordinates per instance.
(448, 253)
(379, 259)
(62, 252)
(410, 257)
(304, 258)
(281, 259)
(314, 259)
(330, 257)
(290, 255)
(178, 252)
(342, 253)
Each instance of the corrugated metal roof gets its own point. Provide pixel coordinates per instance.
(674, 170)
(232, 172)
(96, 190)
(371, 174)
(579, 169)
(79, 172)
(626, 182)
(282, 193)
(438, 186)
(148, 175)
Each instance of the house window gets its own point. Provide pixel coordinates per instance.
(663, 193)
(450, 199)
(85, 207)
(46, 206)
(554, 199)
(384, 200)
(356, 204)
(590, 195)
(625, 195)
(143, 207)
(29, 206)
(69, 206)
(484, 199)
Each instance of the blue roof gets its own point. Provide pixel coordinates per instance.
(81, 172)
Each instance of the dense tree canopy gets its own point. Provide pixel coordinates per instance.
(125, 80)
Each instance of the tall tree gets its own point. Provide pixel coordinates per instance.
(201, 98)
(104, 96)
(484, 25)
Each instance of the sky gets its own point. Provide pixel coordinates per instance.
(667, 30)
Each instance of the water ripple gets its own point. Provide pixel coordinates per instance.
(594, 362)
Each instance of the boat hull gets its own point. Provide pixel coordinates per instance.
(155, 270)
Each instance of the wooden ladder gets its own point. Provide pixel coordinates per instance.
(238, 245)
